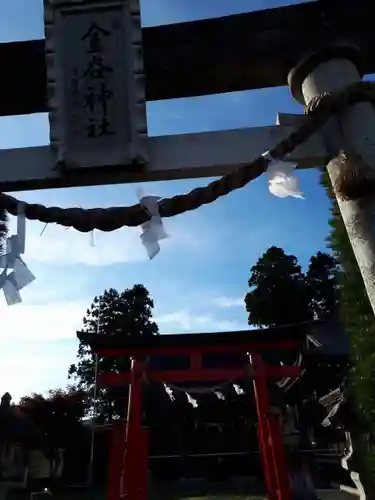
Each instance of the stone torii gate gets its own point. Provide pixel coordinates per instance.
(97, 66)
(91, 76)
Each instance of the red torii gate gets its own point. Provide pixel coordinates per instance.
(128, 457)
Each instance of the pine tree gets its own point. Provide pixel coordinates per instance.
(113, 313)
(321, 278)
(282, 294)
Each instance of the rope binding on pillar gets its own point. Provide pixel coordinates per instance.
(356, 181)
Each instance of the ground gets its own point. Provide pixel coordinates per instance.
(224, 497)
(323, 495)
(177, 495)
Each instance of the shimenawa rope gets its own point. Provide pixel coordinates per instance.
(357, 180)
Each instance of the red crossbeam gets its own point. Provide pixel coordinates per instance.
(198, 375)
(195, 349)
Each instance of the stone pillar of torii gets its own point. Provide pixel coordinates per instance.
(354, 130)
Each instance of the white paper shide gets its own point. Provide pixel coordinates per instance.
(282, 179)
(15, 274)
(152, 231)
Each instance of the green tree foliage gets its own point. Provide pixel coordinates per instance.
(58, 415)
(321, 278)
(58, 419)
(112, 313)
(281, 293)
(15, 426)
(358, 318)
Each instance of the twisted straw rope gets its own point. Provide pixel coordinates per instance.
(198, 391)
(320, 109)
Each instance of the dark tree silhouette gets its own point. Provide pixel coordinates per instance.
(281, 293)
(113, 313)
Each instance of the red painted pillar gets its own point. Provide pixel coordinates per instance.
(143, 465)
(115, 462)
(279, 458)
(264, 431)
(135, 460)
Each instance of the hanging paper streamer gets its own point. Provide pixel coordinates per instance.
(12, 282)
(220, 395)
(282, 181)
(239, 391)
(152, 231)
(192, 401)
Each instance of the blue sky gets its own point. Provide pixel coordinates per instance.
(200, 277)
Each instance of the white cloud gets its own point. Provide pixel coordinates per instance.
(54, 244)
(58, 245)
(189, 321)
(38, 343)
(227, 325)
(34, 366)
(228, 302)
(182, 320)
(30, 322)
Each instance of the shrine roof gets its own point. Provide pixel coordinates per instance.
(331, 338)
(259, 339)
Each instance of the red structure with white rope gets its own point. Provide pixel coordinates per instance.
(128, 460)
